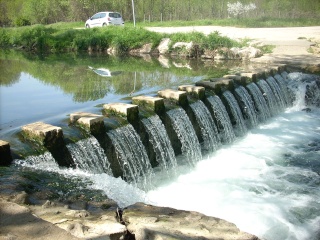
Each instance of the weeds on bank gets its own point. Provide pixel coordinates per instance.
(40, 38)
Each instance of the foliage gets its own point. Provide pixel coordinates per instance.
(20, 21)
(32, 38)
(146, 11)
(4, 38)
(215, 41)
(237, 9)
(39, 38)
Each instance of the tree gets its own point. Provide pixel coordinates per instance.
(237, 9)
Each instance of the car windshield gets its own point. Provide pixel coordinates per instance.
(114, 15)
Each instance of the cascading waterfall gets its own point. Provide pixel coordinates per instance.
(240, 127)
(248, 105)
(161, 143)
(279, 95)
(221, 115)
(260, 102)
(269, 96)
(309, 89)
(132, 156)
(270, 177)
(88, 155)
(209, 131)
(284, 89)
(191, 149)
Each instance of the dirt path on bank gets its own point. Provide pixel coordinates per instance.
(291, 43)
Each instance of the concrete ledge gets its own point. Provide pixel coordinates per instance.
(5, 153)
(42, 132)
(178, 96)
(218, 85)
(93, 122)
(84, 117)
(155, 104)
(249, 77)
(198, 92)
(130, 111)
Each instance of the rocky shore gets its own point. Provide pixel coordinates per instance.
(80, 220)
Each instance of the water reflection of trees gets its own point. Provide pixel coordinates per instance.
(10, 72)
(72, 75)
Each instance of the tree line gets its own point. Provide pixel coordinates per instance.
(26, 12)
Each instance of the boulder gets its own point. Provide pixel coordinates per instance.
(164, 46)
(247, 52)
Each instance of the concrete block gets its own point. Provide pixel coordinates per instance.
(178, 96)
(93, 122)
(217, 85)
(5, 153)
(249, 77)
(198, 92)
(155, 104)
(130, 111)
(42, 132)
(86, 118)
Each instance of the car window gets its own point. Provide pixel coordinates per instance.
(103, 15)
(114, 15)
(96, 16)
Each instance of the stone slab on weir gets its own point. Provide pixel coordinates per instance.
(42, 132)
(155, 104)
(218, 85)
(178, 96)
(5, 153)
(198, 92)
(86, 118)
(130, 111)
(93, 122)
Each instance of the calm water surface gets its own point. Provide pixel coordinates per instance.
(49, 88)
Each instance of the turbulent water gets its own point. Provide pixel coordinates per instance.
(267, 182)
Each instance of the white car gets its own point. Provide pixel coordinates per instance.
(103, 19)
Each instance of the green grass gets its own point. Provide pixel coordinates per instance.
(242, 22)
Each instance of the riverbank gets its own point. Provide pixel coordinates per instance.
(71, 220)
(294, 45)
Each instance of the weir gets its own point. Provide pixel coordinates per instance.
(132, 140)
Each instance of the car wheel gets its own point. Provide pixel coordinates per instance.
(104, 25)
(87, 26)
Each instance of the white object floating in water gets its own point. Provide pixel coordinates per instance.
(101, 71)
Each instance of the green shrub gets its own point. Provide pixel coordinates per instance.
(20, 22)
(33, 38)
(215, 41)
(4, 38)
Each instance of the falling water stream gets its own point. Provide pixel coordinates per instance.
(267, 181)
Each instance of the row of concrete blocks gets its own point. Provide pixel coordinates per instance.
(51, 137)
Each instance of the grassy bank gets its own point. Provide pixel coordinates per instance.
(54, 38)
(241, 22)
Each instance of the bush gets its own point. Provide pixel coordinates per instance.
(215, 41)
(4, 38)
(33, 38)
(20, 22)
